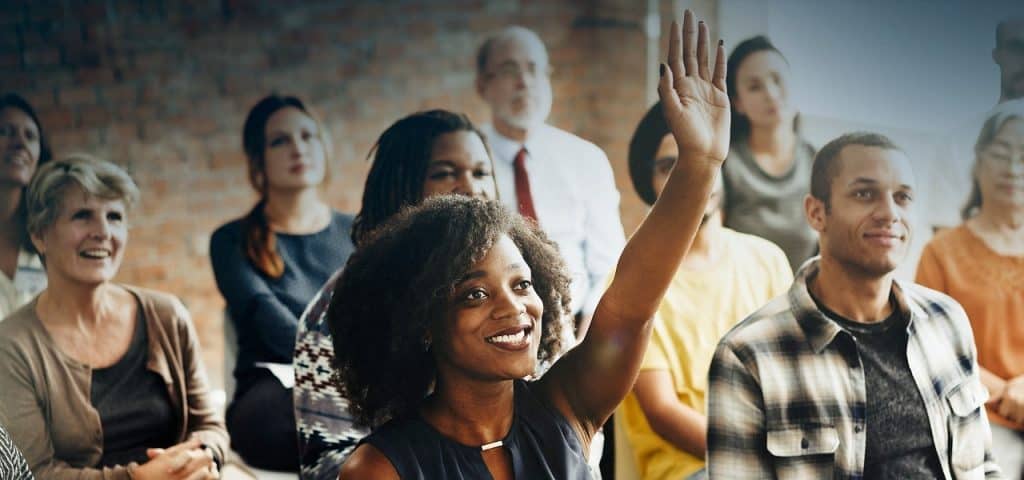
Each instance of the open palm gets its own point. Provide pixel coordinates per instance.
(693, 95)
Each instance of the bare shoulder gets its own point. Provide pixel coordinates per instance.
(367, 462)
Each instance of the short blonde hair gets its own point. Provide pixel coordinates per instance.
(96, 177)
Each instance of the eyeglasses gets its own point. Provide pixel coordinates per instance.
(1002, 158)
(512, 71)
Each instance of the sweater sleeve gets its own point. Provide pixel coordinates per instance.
(253, 307)
(27, 424)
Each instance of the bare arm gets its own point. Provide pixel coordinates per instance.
(367, 462)
(591, 380)
(677, 423)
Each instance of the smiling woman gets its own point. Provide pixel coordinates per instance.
(101, 380)
(448, 308)
(23, 149)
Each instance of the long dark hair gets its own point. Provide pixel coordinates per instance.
(400, 159)
(988, 132)
(260, 241)
(740, 127)
(13, 100)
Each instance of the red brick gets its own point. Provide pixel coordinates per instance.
(42, 57)
(55, 118)
(94, 116)
(75, 96)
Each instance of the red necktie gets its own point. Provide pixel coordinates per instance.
(523, 187)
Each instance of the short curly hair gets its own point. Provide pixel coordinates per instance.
(397, 287)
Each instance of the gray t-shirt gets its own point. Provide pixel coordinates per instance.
(771, 207)
(899, 436)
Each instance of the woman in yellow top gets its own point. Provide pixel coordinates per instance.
(981, 265)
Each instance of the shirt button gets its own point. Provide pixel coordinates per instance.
(804, 443)
(858, 429)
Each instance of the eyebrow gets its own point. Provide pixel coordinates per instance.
(480, 273)
(441, 162)
(865, 181)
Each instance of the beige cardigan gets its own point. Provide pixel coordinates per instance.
(44, 394)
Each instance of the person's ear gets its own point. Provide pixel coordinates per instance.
(481, 85)
(37, 242)
(815, 211)
(737, 105)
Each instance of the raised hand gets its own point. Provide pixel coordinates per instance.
(693, 95)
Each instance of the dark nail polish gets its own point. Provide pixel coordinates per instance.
(661, 69)
(721, 42)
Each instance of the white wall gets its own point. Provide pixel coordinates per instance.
(917, 71)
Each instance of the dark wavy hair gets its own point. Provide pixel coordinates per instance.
(400, 159)
(398, 286)
(13, 100)
(739, 129)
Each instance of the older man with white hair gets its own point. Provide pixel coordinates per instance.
(561, 181)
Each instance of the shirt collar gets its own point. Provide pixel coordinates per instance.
(505, 149)
(818, 328)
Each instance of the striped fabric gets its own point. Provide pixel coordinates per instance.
(327, 435)
(787, 399)
(12, 464)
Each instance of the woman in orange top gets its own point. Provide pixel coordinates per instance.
(981, 265)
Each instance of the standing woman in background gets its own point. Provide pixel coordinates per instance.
(768, 171)
(23, 149)
(981, 265)
(268, 265)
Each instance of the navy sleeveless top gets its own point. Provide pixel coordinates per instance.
(541, 444)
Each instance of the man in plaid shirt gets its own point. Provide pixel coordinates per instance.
(851, 374)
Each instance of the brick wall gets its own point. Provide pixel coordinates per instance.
(162, 87)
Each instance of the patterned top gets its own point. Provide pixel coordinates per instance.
(787, 396)
(12, 463)
(327, 435)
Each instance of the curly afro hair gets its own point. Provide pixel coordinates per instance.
(397, 287)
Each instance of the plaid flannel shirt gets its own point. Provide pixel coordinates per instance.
(787, 399)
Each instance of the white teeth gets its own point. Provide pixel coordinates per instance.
(95, 253)
(511, 338)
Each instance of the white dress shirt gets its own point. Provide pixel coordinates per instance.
(29, 279)
(576, 201)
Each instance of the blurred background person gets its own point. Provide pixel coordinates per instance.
(980, 263)
(768, 172)
(424, 154)
(546, 174)
(724, 277)
(23, 149)
(268, 266)
(102, 380)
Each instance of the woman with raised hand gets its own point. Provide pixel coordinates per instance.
(441, 314)
(424, 154)
(268, 266)
(23, 149)
(981, 265)
(768, 171)
(101, 380)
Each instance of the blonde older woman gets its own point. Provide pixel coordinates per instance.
(981, 264)
(101, 380)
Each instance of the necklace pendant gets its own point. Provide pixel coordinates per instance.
(487, 446)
